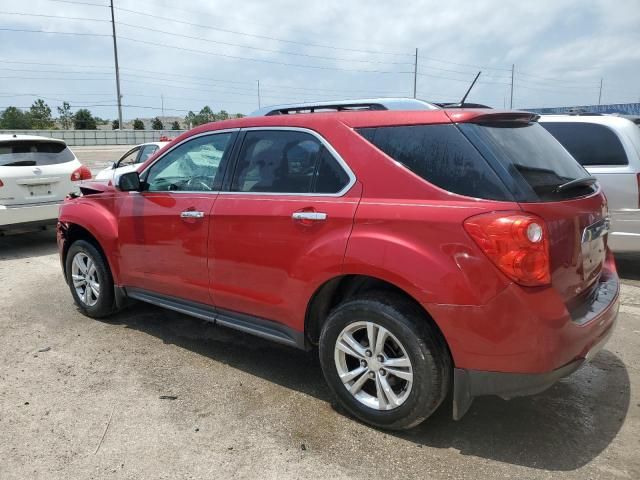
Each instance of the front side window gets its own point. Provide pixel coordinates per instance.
(280, 161)
(146, 152)
(192, 166)
(589, 143)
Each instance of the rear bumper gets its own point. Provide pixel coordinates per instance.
(15, 217)
(468, 384)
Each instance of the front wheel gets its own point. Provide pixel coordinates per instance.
(384, 362)
(90, 280)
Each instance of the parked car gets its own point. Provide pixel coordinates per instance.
(421, 251)
(130, 160)
(609, 148)
(36, 173)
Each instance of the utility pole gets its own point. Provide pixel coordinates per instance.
(115, 55)
(258, 93)
(600, 94)
(415, 74)
(162, 103)
(513, 67)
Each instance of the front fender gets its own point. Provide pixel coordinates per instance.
(95, 216)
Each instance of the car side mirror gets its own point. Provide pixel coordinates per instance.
(114, 165)
(129, 182)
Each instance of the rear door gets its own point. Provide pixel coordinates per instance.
(535, 166)
(164, 230)
(282, 227)
(35, 171)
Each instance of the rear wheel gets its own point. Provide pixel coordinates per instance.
(90, 280)
(383, 360)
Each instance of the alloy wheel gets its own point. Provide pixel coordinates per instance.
(84, 275)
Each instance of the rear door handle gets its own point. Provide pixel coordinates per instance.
(312, 216)
(191, 214)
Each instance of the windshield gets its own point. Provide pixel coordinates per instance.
(533, 158)
(26, 153)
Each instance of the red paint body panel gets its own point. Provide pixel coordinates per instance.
(248, 255)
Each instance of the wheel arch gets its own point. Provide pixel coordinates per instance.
(338, 289)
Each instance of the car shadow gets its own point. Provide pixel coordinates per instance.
(30, 244)
(628, 265)
(561, 429)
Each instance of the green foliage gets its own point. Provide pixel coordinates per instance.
(239, 115)
(65, 116)
(138, 124)
(40, 114)
(206, 115)
(156, 124)
(83, 120)
(13, 118)
(175, 125)
(115, 125)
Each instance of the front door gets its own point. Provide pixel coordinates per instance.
(283, 227)
(163, 230)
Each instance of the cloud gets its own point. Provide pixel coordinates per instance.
(560, 49)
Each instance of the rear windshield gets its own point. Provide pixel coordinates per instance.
(21, 153)
(535, 162)
(589, 143)
(441, 155)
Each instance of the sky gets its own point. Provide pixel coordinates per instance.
(184, 55)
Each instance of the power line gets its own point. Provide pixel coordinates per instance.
(23, 14)
(263, 37)
(55, 32)
(259, 60)
(81, 3)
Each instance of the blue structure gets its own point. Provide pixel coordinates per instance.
(622, 108)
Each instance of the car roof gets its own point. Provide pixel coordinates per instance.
(20, 137)
(358, 104)
(610, 120)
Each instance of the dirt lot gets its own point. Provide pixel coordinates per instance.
(153, 394)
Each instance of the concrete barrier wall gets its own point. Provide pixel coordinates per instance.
(100, 137)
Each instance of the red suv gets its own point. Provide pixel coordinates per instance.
(422, 251)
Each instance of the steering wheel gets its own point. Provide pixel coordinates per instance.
(198, 182)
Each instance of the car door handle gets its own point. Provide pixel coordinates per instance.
(191, 214)
(312, 216)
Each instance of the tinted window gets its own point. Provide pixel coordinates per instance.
(193, 166)
(32, 153)
(441, 155)
(532, 157)
(129, 158)
(279, 161)
(146, 152)
(589, 143)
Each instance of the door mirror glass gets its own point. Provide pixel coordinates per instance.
(129, 182)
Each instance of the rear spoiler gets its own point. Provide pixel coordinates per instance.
(495, 117)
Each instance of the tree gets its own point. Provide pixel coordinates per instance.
(138, 124)
(115, 125)
(239, 115)
(83, 120)
(175, 125)
(156, 124)
(205, 115)
(15, 119)
(40, 114)
(65, 116)
(190, 119)
(222, 115)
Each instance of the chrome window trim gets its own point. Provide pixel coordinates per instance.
(192, 137)
(345, 167)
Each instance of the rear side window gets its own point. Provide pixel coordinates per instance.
(589, 143)
(281, 161)
(22, 153)
(533, 159)
(441, 155)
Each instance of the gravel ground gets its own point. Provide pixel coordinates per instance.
(154, 394)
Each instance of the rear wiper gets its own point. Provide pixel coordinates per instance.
(578, 182)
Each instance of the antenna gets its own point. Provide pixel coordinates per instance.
(469, 90)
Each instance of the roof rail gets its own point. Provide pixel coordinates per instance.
(367, 104)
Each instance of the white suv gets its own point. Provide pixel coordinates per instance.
(36, 174)
(609, 148)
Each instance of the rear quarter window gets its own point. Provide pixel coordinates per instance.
(591, 144)
(21, 153)
(441, 155)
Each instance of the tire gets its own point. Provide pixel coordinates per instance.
(417, 388)
(97, 271)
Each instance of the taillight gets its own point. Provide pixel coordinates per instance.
(1, 184)
(81, 173)
(517, 243)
